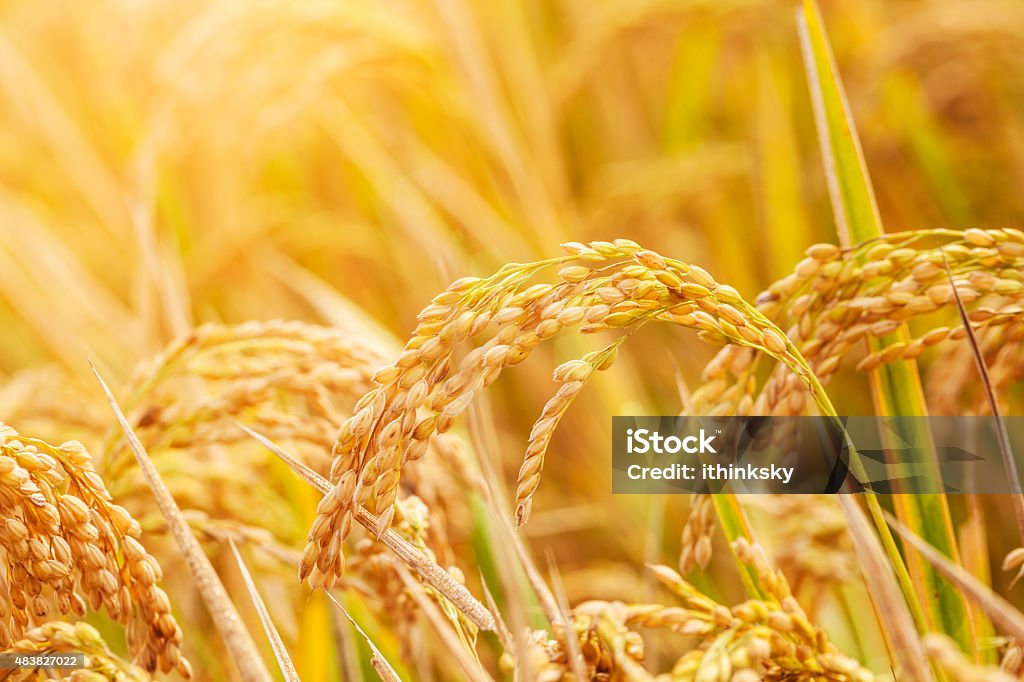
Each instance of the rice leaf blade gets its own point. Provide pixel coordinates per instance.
(236, 637)
(896, 387)
(284, 660)
(1003, 614)
(380, 664)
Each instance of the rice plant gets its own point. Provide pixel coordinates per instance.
(316, 315)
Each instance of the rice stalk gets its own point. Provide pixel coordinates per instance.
(284, 660)
(236, 637)
(429, 571)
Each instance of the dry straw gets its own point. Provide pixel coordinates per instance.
(236, 637)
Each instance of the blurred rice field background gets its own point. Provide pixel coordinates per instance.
(165, 165)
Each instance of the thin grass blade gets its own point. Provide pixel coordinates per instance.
(239, 642)
(547, 600)
(885, 591)
(501, 628)
(284, 661)
(1005, 449)
(377, 660)
(436, 576)
(572, 642)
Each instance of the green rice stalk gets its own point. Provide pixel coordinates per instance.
(896, 387)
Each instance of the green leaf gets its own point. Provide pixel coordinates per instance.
(849, 186)
(896, 387)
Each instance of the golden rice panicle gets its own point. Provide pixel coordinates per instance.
(60, 637)
(812, 546)
(293, 382)
(572, 376)
(835, 298)
(695, 544)
(608, 648)
(602, 286)
(772, 637)
(62, 537)
(652, 287)
(426, 388)
(288, 380)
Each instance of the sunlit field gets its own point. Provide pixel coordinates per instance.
(316, 315)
